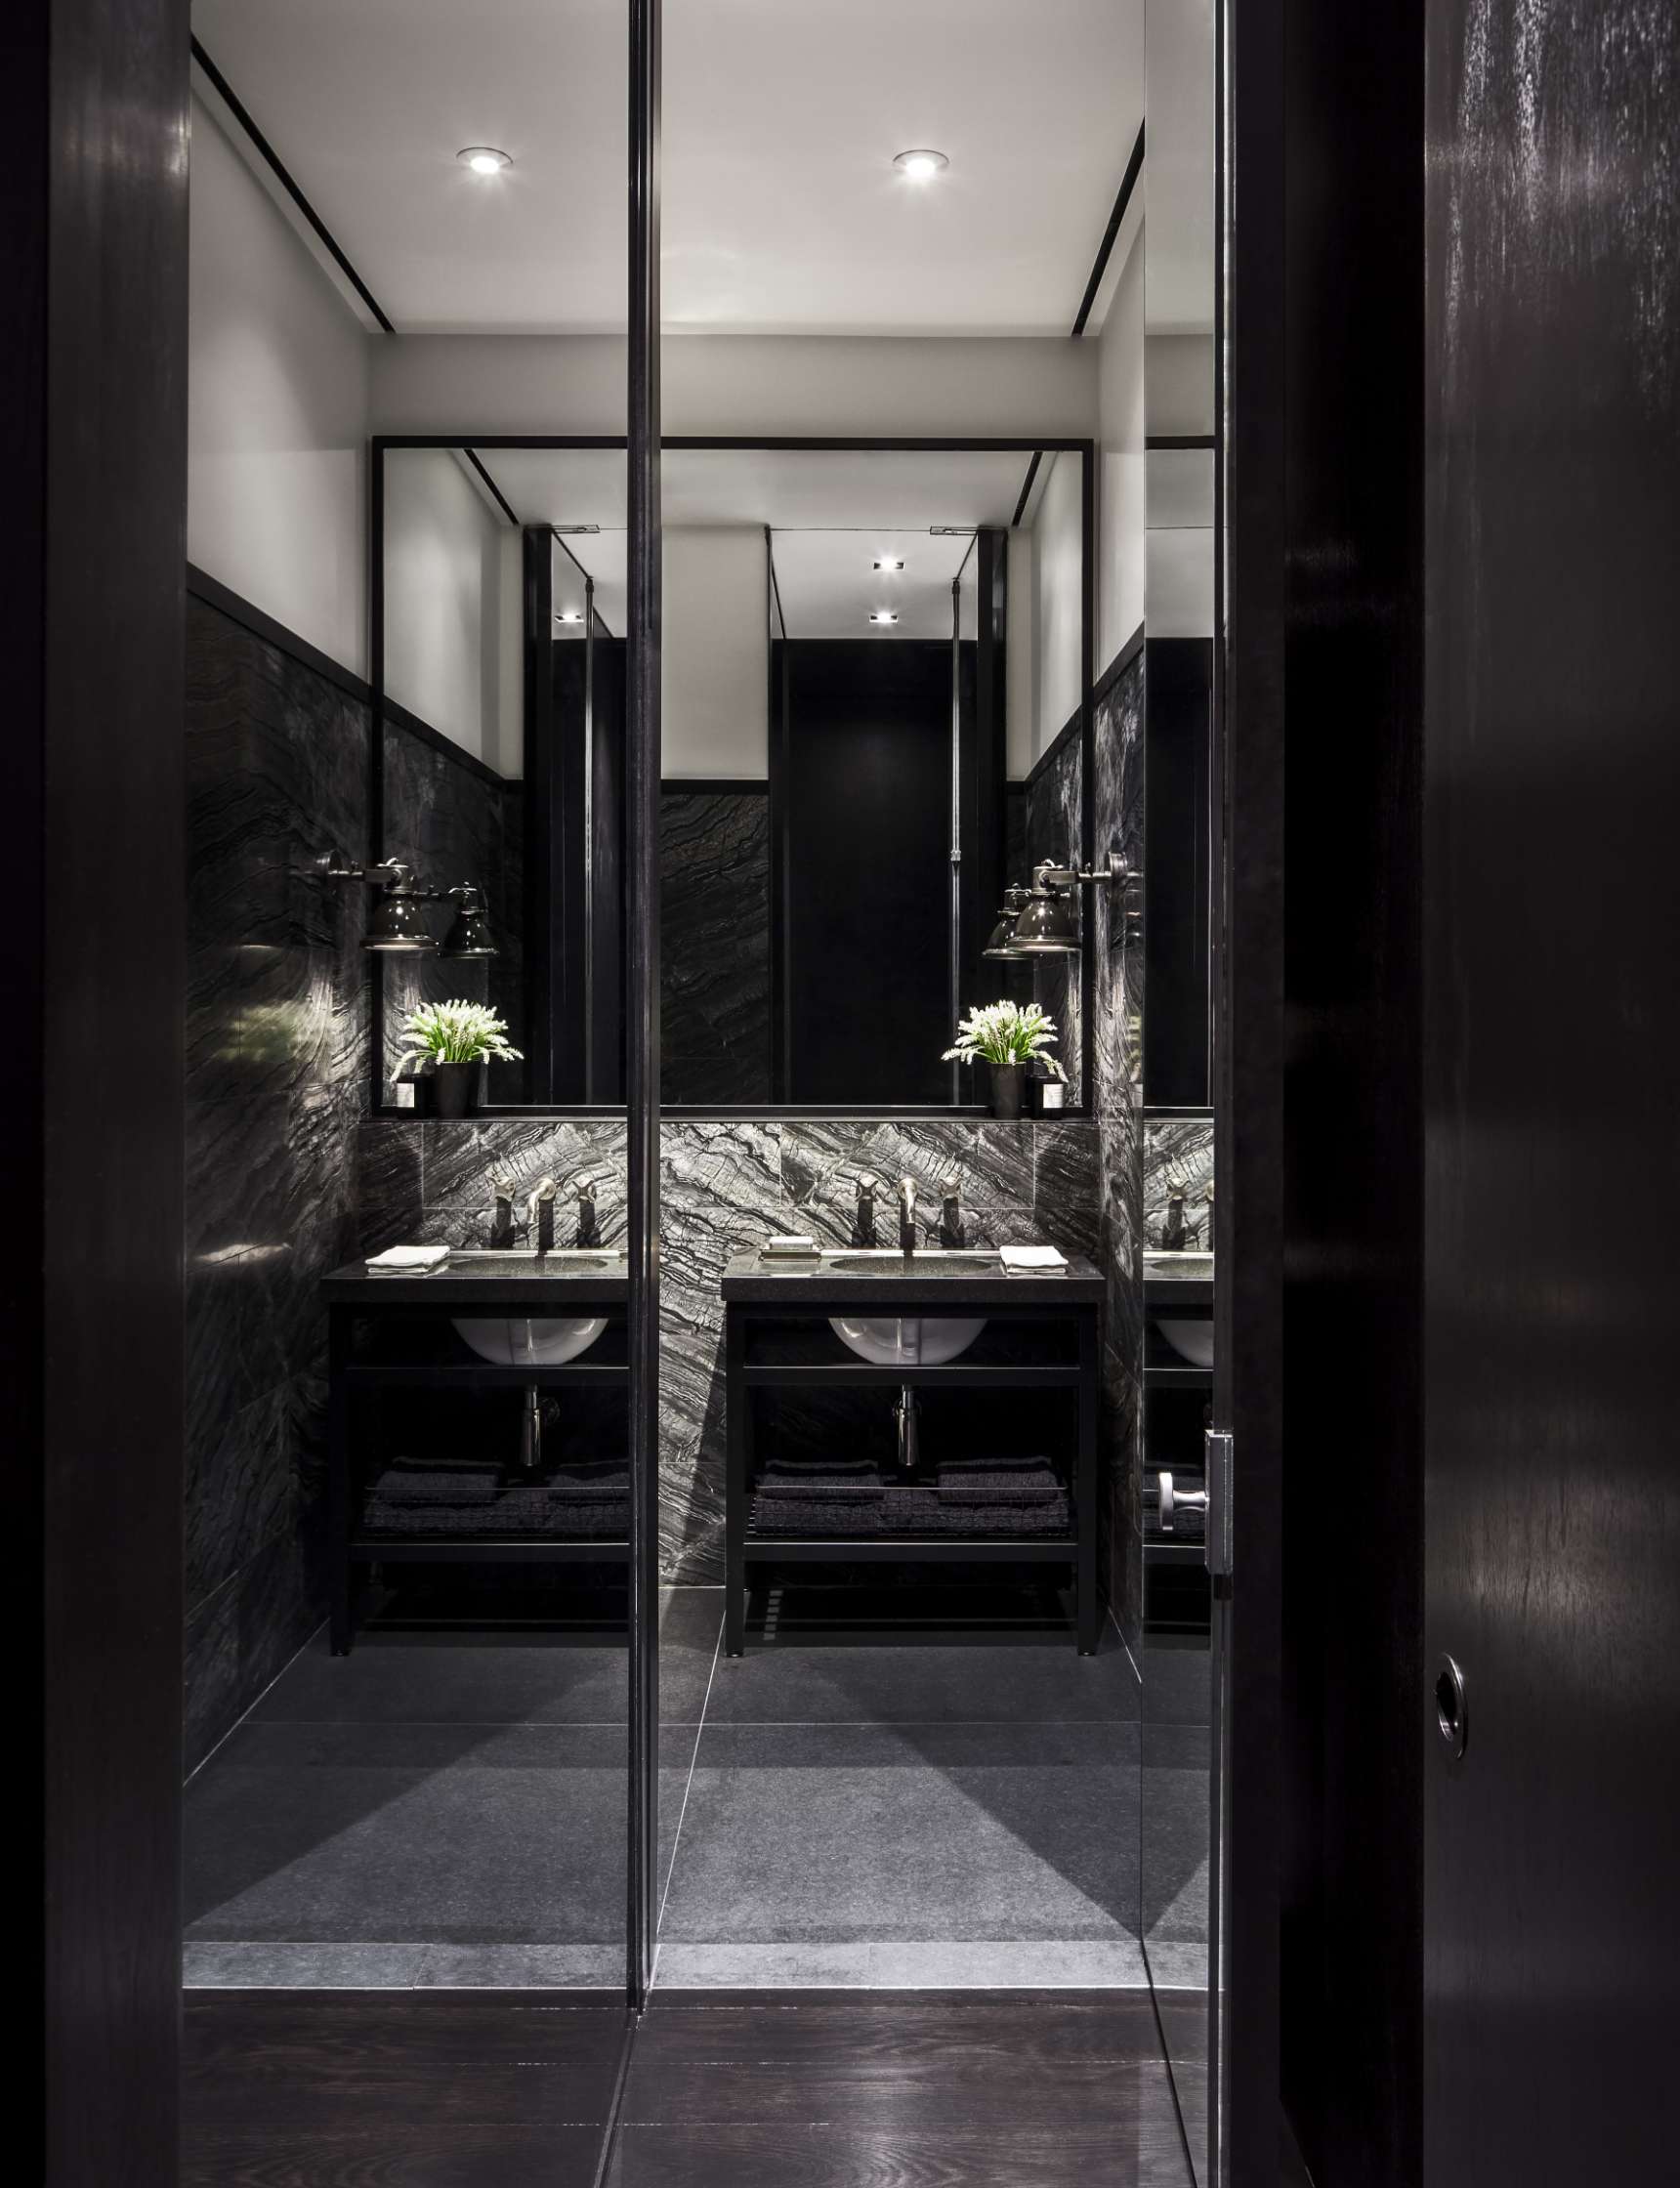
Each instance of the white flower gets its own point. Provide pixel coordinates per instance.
(1005, 1034)
(458, 1033)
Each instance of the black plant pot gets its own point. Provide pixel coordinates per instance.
(453, 1086)
(1007, 1081)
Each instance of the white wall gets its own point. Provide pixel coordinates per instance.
(714, 671)
(738, 384)
(443, 608)
(1021, 666)
(278, 412)
(1056, 557)
(1121, 480)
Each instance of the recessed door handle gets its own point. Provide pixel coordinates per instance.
(1451, 1707)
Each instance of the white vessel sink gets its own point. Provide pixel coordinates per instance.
(907, 1340)
(526, 1341)
(1167, 1261)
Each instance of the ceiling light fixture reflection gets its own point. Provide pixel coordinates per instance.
(920, 165)
(483, 159)
(882, 615)
(890, 563)
(570, 615)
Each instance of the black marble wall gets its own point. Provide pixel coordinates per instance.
(723, 1186)
(277, 770)
(455, 820)
(1055, 818)
(714, 946)
(1117, 725)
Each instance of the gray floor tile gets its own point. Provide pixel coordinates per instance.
(852, 1678)
(367, 1835)
(877, 1834)
(1174, 1842)
(496, 1678)
(216, 1965)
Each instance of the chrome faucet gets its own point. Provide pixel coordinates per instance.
(539, 1216)
(588, 1223)
(906, 1215)
(1172, 1227)
(951, 1231)
(502, 1220)
(864, 1222)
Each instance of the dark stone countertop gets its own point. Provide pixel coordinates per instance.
(515, 1282)
(897, 1281)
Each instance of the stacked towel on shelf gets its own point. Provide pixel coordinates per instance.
(462, 1497)
(998, 1481)
(928, 1511)
(829, 1497)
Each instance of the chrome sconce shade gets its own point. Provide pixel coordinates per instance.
(397, 924)
(469, 934)
(1001, 941)
(1049, 922)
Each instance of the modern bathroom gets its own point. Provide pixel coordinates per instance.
(931, 1575)
(840, 1143)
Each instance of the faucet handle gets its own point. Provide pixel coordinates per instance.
(544, 1191)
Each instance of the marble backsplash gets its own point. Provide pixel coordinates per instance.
(714, 946)
(1178, 1158)
(723, 1186)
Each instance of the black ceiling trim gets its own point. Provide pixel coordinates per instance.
(1128, 183)
(1026, 488)
(281, 175)
(501, 499)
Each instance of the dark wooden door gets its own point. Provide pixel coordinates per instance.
(1552, 1091)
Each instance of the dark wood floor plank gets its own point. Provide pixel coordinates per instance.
(977, 2090)
(387, 2153)
(894, 2030)
(1070, 2156)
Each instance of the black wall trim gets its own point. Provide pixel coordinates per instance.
(501, 500)
(282, 176)
(1179, 440)
(1025, 493)
(1128, 183)
(1117, 668)
(714, 787)
(237, 609)
(1065, 735)
(449, 750)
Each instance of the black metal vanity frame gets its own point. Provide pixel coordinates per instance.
(353, 1296)
(803, 1291)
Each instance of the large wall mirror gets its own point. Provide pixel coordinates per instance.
(876, 666)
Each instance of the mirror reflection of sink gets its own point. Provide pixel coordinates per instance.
(1158, 1261)
(559, 1261)
(908, 1340)
(1190, 1339)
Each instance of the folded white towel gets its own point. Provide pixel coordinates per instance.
(1031, 1257)
(410, 1258)
(790, 1241)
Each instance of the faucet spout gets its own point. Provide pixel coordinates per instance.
(906, 1215)
(539, 1216)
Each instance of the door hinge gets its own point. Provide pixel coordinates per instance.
(1217, 1472)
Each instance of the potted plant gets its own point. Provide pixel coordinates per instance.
(460, 1039)
(1009, 1036)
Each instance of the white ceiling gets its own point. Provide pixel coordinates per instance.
(782, 211)
(827, 585)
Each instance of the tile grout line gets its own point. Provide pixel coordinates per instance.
(687, 1786)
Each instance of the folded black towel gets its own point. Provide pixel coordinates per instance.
(1004, 1463)
(804, 1515)
(822, 1489)
(783, 1470)
(921, 1511)
(1032, 1486)
(454, 1484)
(527, 1510)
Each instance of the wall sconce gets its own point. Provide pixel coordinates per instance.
(1048, 925)
(397, 924)
(1001, 941)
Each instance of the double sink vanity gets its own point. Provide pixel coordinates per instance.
(893, 1342)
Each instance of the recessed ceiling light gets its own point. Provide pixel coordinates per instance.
(483, 159)
(882, 615)
(888, 562)
(570, 615)
(920, 166)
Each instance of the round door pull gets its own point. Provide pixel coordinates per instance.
(1452, 1709)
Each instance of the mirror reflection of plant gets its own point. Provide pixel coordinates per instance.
(1005, 1033)
(458, 1033)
